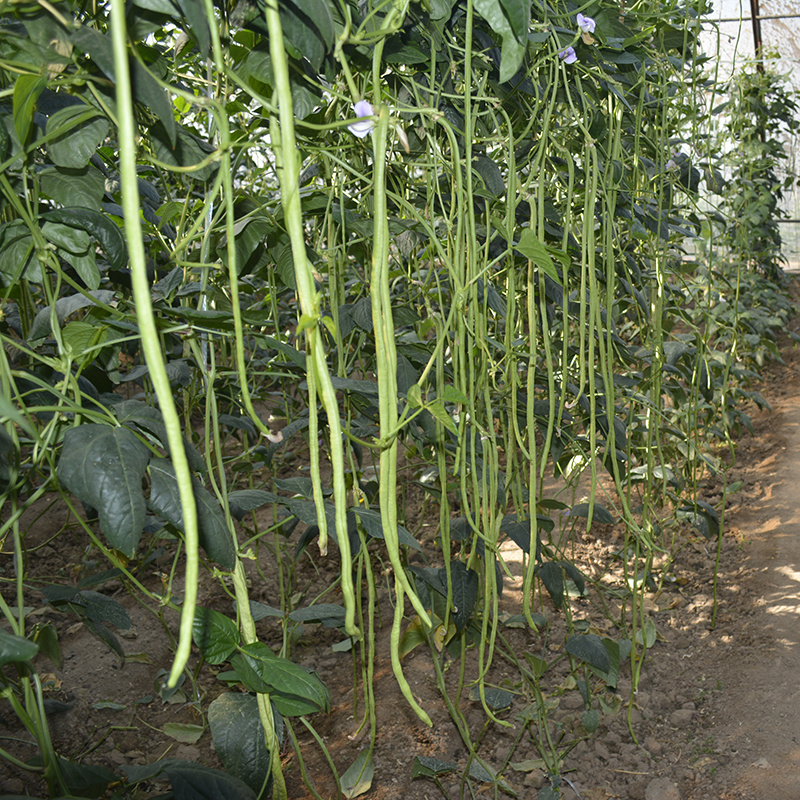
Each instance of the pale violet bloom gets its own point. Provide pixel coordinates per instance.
(586, 24)
(568, 55)
(363, 127)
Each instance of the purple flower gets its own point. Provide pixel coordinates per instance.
(568, 55)
(363, 127)
(586, 24)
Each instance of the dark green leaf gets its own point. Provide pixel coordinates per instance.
(100, 608)
(17, 255)
(86, 780)
(589, 648)
(14, 649)
(66, 307)
(238, 737)
(192, 781)
(290, 686)
(427, 767)
(513, 51)
(98, 225)
(244, 500)
(496, 699)
(599, 513)
(373, 526)
(329, 614)
(194, 13)
(534, 249)
(146, 89)
(465, 592)
(553, 580)
(74, 187)
(77, 133)
(104, 467)
(27, 89)
(519, 15)
(46, 637)
(215, 537)
(215, 635)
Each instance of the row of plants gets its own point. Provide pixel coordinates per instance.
(452, 234)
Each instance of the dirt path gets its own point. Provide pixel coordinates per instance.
(756, 715)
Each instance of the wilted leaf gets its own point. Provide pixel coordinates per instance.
(357, 780)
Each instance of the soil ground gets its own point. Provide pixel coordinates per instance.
(716, 713)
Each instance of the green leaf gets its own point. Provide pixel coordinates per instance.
(244, 500)
(373, 525)
(74, 187)
(215, 537)
(465, 592)
(45, 635)
(184, 149)
(591, 719)
(357, 779)
(14, 649)
(191, 781)
(438, 410)
(77, 132)
(86, 780)
(146, 89)
(184, 732)
(71, 240)
(589, 648)
(65, 307)
(27, 89)
(104, 467)
(496, 699)
(519, 15)
(512, 51)
(215, 635)
(294, 690)
(599, 513)
(532, 247)
(553, 579)
(17, 255)
(98, 225)
(197, 24)
(100, 608)
(238, 737)
(427, 767)
(329, 614)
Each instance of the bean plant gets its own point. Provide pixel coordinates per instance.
(438, 244)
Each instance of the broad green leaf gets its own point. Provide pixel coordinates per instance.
(357, 779)
(100, 608)
(532, 247)
(14, 649)
(647, 636)
(238, 737)
(71, 240)
(519, 16)
(86, 780)
(496, 699)
(215, 537)
(192, 781)
(215, 635)
(184, 150)
(98, 225)
(244, 500)
(194, 13)
(184, 732)
(512, 51)
(591, 719)
(65, 307)
(599, 513)
(77, 132)
(438, 410)
(82, 341)
(17, 255)
(427, 767)
(27, 89)
(104, 467)
(329, 614)
(45, 635)
(553, 579)
(146, 89)
(290, 685)
(371, 520)
(74, 187)
(465, 592)
(86, 267)
(589, 647)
